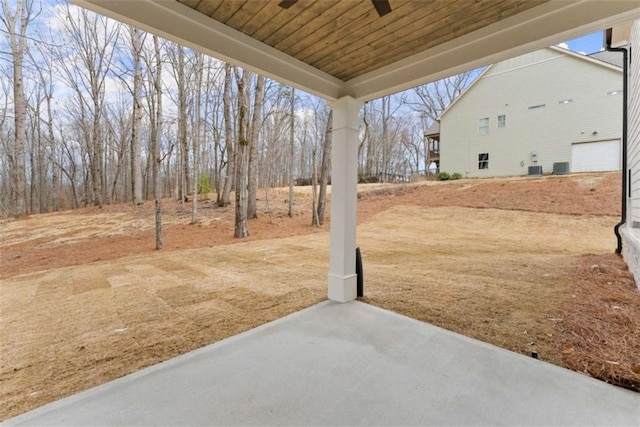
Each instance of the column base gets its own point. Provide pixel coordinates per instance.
(343, 288)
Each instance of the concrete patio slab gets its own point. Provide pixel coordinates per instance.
(339, 364)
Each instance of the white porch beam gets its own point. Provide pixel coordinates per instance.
(183, 25)
(541, 26)
(342, 279)
(548, 24)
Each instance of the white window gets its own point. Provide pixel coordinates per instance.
(483, 161)
(502, 121)
(483, 126)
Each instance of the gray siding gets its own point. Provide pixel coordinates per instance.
(547, 76)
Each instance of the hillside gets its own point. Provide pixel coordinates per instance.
(525, 264)
(89, 234)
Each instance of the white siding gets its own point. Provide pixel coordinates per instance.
(630, 232)
(510, 87)
(633, 128)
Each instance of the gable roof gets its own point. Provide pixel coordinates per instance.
(586, 58)
(613, 58)
(433, 130)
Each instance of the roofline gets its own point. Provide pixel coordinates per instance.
(587, 58)
(568, 52)
(529, 30)
(465, 91)
(536, 28)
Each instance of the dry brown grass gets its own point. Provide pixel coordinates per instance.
(599, 326)
(82, 303)
(73, 328)
(494, 275)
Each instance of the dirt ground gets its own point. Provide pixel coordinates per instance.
(525, 264)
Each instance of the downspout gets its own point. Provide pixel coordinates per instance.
(625, 67)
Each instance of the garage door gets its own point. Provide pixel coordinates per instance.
(595, 156)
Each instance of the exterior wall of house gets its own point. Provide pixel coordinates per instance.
(631, 230)
(633, 125)
(573, 104)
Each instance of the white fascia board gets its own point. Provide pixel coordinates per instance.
(621, 34)
(586, 58)
(536, 28)
(181, 24)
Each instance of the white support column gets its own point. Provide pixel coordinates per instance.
(344, 196)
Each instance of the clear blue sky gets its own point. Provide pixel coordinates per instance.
(588, 44)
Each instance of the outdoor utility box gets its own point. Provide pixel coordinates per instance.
(561, 168)
(535, 170)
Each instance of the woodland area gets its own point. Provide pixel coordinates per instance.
(95, 112)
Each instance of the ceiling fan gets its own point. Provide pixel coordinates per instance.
(382, 6)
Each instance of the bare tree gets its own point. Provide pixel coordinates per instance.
(380, 153)
(314, 188)
(241, 229)
(182, 124)
(6, 143)
(45, 82)
(324, 169)
(228, 135)
(436, 96)
(196, 139)
(15, 22)
(137, 40)
(85, 59)
(214, 122)
(256, 120)
(275, 148)
(157, 141)
(291, 148)
(68, 164)
(366, 148)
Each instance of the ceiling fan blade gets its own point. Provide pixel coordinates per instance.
(382, 7)
(286, 4)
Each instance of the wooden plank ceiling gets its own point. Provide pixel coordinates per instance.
(347, 38)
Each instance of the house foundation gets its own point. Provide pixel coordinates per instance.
(631, 251)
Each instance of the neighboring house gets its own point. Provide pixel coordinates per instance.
(545, 107)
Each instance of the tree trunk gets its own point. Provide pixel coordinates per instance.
(18, 44)
(182, 127)
(324, 168)
(291, 149)
(96, 149)
(252, 211)
(50, 200)
(385, 139)
(228, 135)
(157, 158)
(314, 188)
(196, 138)
(55, 174)
(136, 171)
(242, 149)
(368, 168)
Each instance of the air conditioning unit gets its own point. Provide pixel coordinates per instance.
(561, 168)
(535, 170)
